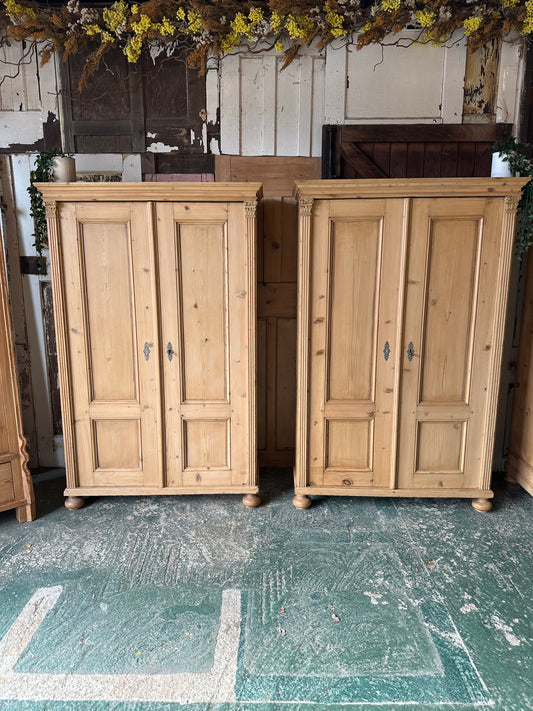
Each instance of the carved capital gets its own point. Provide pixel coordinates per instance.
(511, 203)
(306, 206)
(250, 208)
(51, 208)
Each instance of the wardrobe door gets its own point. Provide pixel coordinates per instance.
(450, 352)
(109, 285)
(208, 333)
(355, 301)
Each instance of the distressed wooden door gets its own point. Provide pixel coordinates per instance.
(356, 278)
(109, 286)
(206, 282)
(449, 377)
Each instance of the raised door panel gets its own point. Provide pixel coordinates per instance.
(108, 260)
(357, 258)
(205, 298)
(448, 342)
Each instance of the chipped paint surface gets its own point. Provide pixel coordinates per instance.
(481, 82)
(141, 616)
(159, 147)
(506, 629)
(215, 685)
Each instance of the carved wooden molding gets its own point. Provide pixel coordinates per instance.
(408, 187)
(511, 203)
(250, 208)
(305, 206)
(146, 192)
(302, 406)
(51, 209)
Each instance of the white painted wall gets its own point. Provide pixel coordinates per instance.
(267, 110)
(510, 83)
(404, 83)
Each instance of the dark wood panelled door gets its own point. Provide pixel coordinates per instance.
(410, 151)
(124, 108)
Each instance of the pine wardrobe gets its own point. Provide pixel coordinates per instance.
(16, 488)
(155, 305)
(402, 292)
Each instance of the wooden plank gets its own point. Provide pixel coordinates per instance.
(277, 174)
(360, 163)
(347, 490)
(272, 226)
(277, 295)
(398, 160)
(452, 187)
(276, 299)
(483, 159)
(289, 239)
(432, 160)
(466, 159)
(261, 380)
(382, 156)
(408, 133)
(137, 127)
(448, 168)
(271, 392)
(142, 192)
(415, 160)
(223, 169)
(286, 384)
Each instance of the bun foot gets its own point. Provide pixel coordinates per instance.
(302, 502)
(74, 502)
(482, 504)
(252, 501)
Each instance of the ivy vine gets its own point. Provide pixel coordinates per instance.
(42, 173)
(516, 154)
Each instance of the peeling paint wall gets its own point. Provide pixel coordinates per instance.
(481, 84)
(29, 100)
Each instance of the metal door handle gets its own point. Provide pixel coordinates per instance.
(170, 351)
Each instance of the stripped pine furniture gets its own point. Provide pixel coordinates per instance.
(402, 298)
(155, 300)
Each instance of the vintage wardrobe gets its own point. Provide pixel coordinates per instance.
(16, 488)
(154, 293)
(402, 298)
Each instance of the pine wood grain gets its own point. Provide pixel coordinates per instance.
(417, 417)
(16, 488)
(158, 334)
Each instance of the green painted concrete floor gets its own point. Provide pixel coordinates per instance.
(158, 603)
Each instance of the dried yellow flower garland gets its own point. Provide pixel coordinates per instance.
(215, 27)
